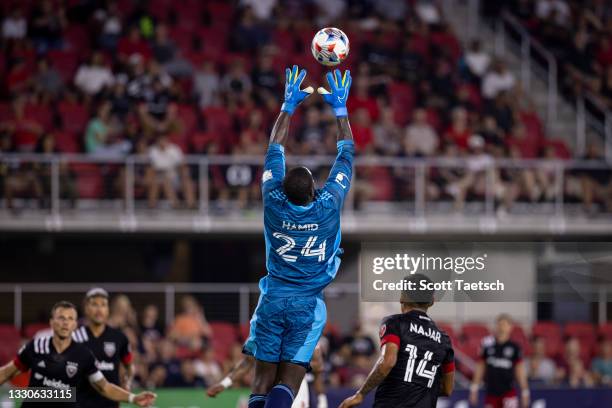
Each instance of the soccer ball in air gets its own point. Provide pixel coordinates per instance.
(330, 46)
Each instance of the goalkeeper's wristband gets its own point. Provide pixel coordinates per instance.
(341, 112)
(287, 108)
(226, 382)
(474, 387)
(131, 398)
(526, 392)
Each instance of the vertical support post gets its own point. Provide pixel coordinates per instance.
(552, 91)
(490, 190)
(608, 137)
(419, 187)
(244, 304)
(580, 127)
(525, 62)
(169, 301)
(129, 186)
(18, 307)
(55, 186)
(559, 183)
(500, 40)
(203, 171)
(602, 304)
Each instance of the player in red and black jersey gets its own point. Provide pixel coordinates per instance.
(417, 363)
(500, 364)
(109, 346)
(58, 362)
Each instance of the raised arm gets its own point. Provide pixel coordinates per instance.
(293, 97)
(336, 98)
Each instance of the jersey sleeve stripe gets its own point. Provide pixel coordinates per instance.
(448, 367)
(20, 365)
(390, 338)
(47, 341)
(36, 349)
(84, 333)
(95, 377)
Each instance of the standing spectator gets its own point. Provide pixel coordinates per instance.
(207, 85)
(14, 25)
(602, 365)
(190, 327)
(497, 80)
(421, 138)
(91, 78)
(539, 366)
(168, 171)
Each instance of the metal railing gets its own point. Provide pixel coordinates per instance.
(528, 47)
(419, 170)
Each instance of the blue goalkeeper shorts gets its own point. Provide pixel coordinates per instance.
(286, 329)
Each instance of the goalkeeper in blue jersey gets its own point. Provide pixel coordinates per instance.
(302, 234)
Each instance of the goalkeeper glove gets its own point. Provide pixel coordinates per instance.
(340, 86)
(293, 94)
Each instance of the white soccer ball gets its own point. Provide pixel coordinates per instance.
(330, 46)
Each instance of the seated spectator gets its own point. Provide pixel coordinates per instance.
(387, 134)
(421, 138)
(168, 55)
(311, 136)
(497, 80)
(360, 98)
(101, 136)
(602, 365)
(109, 20)
(19, 77)
(248, 34)
(539, 366)
(14, 25)
(596, 182)
(47, 82)
(91, 78)
(264, 77)
(47, 24)
(133, 46)
(67, 178)
(207, 367)
(190, 327)
(477, 61)
(571, 369)
(168, 172)
(150, 326)
(459, 131)
(236, 83)
(557, 9)
(362, 131)
(166, 372)
(122, 314)
(207, 85)
(190, 377)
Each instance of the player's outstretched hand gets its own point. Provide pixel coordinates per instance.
(352, 401)
(293, 94)
(215, 390)
(145, 399)
(339, 91)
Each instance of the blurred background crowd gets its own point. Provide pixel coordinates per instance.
(164, 79)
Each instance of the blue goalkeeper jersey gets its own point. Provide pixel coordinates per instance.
(303, 242)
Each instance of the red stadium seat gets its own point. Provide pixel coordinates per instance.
(243, 331)
(74, 116)
(605, 331)
(580, 330)
(546, 329)
(66, 142)
(519, 337)
(188, 118)
(90, 183)
(224, 336)
(41, 114)
(6, 111)
(30, 330)
(474, 331)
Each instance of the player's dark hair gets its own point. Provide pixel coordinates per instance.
(63, 304)
(418, 298)
(299, 186)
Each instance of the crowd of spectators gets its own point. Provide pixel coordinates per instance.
(163, 79)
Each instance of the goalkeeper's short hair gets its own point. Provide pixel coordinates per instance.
(298, 186)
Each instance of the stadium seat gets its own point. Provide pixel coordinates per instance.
(519, 337)
(581, 330)
(90, 183)
(74, 116)
(447, 328)
(39, 113)
(474, 330)
(243, 331)
(30, 330)
(605, 331)
(66, 142)
(188, 118)
(65, 62)
(224, 336)
(546, 329)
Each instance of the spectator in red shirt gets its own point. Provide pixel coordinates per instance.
(459, 131)
(362, 133)
(133, 44)
(521, 145)
(19, 77)
(360, 98)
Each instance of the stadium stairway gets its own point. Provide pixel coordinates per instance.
(565, 126)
